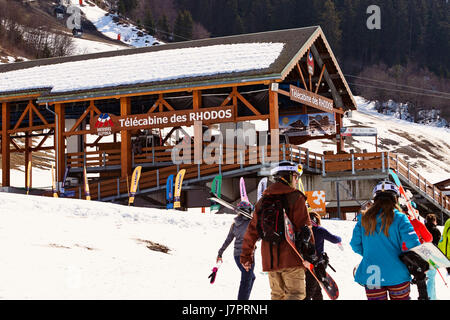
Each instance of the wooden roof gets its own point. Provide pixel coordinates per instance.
(296, 44)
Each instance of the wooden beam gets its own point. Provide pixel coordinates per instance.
(137, 94)
(336, 96)
(6, 159)
(273, 109)
(35, 110)
(299, 69)
(33, 128)
(247, 104)
(125, 143)
(60, 142)
(196, 99)
(22, 116)
(320, 79)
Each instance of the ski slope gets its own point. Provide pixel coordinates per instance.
(77, 249)
(104, 22)
(426, 148)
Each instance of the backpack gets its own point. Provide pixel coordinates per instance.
(270, 221)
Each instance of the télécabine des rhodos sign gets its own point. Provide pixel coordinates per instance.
(311, 99)
(105, 124)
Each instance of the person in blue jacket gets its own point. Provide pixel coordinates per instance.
(313, 290)
(236, 233)
(378, 237)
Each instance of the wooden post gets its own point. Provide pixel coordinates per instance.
(339, 124)
(60, 144)
(28, 146)
(6, 158)
(198, 129)
(273, 124)
(125, 143)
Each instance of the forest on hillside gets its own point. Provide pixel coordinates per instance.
(410, 50)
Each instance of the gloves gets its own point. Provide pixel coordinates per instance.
(212, 276)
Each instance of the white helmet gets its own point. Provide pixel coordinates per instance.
(385, 186)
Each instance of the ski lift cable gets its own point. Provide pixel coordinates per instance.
(398, 90)
(396, 84)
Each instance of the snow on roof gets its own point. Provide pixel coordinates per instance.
(143, 67)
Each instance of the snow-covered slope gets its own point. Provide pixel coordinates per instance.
(427, 148)
(111, 26)
(77, 249)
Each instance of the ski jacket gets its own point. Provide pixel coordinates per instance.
(380, 264)
(431, 227)
(444, 243)
(297, 213)
(320, 235)
(236, 232)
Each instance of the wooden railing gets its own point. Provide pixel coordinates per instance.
(414, 178)
(357, 162)
(235, 157)
(163, 154)
(354, 162)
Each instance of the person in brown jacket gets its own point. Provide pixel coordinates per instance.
(285, 269)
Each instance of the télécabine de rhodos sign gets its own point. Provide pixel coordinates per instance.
(311, 99)
(106, 124)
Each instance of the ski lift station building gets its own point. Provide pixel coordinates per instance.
(113, 111)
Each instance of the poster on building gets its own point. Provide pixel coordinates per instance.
(321, 124)
(316, 201)
(313, 124)
(294, 125)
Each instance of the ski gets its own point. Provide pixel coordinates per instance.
(397, 181)
(330, 287)
(213, 274)
(262, 185)
(54, 191)
(169, 192)
(134, 184)
(178, 185)
(63, 183)
(216, 187)
(86, 185)
(243, 190)
(231, 206)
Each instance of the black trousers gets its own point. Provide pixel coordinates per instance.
(313, 289)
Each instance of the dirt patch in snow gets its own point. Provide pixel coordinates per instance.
(154, 246)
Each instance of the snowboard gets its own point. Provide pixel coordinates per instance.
(430, 253)
(262, 185)
(63, 183)
(243, 191)
(231, 206)
(29, 177)
(178, 184)
(86, 185)
(330, 287)
(134, 184)
(216, 190)
(54, 191)
(169, 192)
(411, 210)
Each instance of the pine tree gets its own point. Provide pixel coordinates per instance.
(163, 28)
(330, 23)
(149, 23)
(183, 26)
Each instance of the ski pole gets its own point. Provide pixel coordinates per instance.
(332, 267)
(434, 266)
